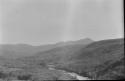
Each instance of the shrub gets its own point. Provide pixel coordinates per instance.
(3, 75)
(24, 77)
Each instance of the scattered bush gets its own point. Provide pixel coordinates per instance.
(3, 75)
(24, 77)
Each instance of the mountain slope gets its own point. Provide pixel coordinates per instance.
(100, 60)
(23, 50)
(61, 53)
(97, 58)
(35, 65)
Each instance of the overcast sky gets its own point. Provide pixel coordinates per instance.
(48, 21)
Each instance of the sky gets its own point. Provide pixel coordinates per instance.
(49, 21)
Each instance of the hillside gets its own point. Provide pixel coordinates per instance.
(23, 50)
(35, 67)
(26, 55)
(96, 60)
(99, 60)
(60, 54)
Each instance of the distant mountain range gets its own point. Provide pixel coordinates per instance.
(22, 50)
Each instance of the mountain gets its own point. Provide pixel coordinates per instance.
(61, 53)
(33, 60)
(23, 50)
(100, 60)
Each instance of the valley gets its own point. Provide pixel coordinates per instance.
(96, 60)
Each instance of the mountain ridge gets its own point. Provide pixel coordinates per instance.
(22, 50)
